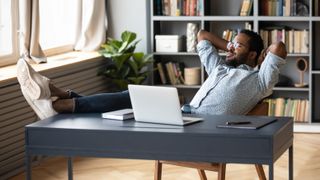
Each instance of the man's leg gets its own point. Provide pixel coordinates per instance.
(104, 102)
(70, 102)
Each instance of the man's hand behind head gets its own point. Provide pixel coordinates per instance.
(278, 49)
(263, 55)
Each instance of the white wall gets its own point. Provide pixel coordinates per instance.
(128, 15)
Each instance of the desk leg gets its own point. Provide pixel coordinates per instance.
(271, 171)
(291, 162)
(28, 167)
(70, 175)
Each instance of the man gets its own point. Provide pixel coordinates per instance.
(232, 86)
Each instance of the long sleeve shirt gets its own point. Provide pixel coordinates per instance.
(230, 90)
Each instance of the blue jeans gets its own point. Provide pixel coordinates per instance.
(105, 102)
(99, 103)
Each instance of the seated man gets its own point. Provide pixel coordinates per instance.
(232, 86)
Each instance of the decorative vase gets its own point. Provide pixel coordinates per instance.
(192, 30)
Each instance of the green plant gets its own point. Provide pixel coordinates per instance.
(127, 66)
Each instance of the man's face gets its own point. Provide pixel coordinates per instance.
(239, 52)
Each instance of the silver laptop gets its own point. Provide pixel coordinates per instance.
(158, 105)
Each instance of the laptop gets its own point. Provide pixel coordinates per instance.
(155, 104)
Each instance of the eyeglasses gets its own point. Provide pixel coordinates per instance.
(236, 45)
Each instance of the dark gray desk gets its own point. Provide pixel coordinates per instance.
(88, 135)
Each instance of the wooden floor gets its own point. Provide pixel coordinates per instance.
(306, 167)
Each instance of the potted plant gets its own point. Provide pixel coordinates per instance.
(127, 66)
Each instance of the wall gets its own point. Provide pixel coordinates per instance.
(129, 15)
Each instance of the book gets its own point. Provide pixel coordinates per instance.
(246, 8)
(166, 7)
(122, 114)
(316, 7)
(161, 73)
(297, 41)
(288, 5)
(158, 8)
(305, 41)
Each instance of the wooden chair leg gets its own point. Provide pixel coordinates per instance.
(260, 172)
(202, 174)
(157, 170)
(222, 171)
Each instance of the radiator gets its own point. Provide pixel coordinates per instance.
(15, 113)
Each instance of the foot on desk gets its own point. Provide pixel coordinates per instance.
(35, 89)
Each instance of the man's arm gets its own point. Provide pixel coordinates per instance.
(273, 58)
(207, 50)
(215, 40)
(278, 49)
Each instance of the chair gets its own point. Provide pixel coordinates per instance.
(220, 168)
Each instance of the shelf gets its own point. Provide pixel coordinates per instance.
(202, 18)
(283, 18)
(181, 86)
(315, 18)
(176, 18)
(175, 53)
(232, 18)
(299, 55)
(306, 127)
(228, 18)
(219, 15)
(290, 89)
(220, 53)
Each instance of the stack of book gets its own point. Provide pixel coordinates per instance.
(297, 41)
(296, 108)
(172, 73)
(284, 7)
(178, 7)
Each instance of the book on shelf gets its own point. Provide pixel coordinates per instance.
(297, 41)
(162, 73)
(174, 71)
(296, 108)
(288, 5)
(316, 8)
(122, 114)
(158, 7)
(179, 7)
(166, 7)
(246, 7)
(284, 7)
(229, 34)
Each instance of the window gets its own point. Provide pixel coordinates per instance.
(58, 25)
(8, 32)
(57, 22)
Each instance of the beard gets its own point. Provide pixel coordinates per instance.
(235, 60)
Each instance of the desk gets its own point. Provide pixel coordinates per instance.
(91, 136)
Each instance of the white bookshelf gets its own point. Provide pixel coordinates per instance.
(218, 15)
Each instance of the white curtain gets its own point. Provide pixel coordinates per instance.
(29, 27)
(92, 25)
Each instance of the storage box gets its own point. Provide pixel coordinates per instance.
(192, 76)
(168, 43)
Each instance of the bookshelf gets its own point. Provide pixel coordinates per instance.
(218, 15)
